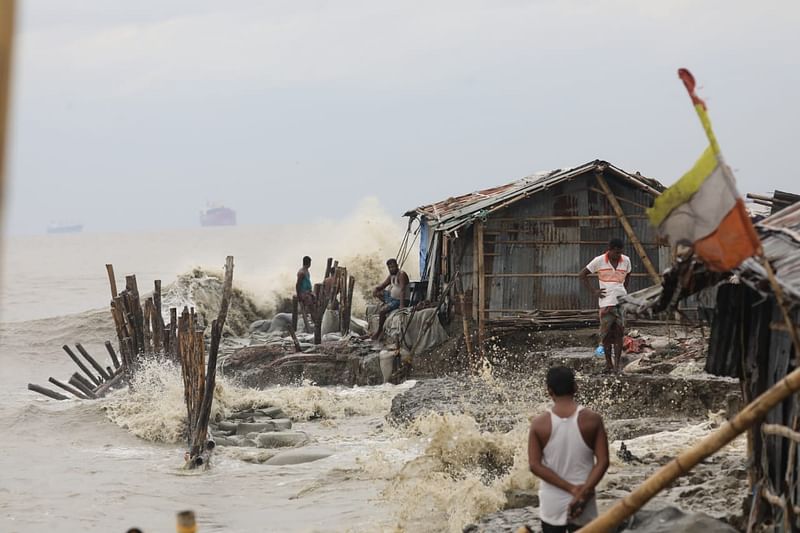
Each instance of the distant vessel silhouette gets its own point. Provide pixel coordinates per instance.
(57, 227)
(217, 215)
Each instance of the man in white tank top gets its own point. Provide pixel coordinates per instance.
(568, 452)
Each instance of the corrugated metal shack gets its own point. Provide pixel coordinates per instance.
(749, 340)
(519, 247)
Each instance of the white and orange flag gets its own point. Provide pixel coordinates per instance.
(704, 209)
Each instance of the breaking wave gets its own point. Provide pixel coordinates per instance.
(153, 408)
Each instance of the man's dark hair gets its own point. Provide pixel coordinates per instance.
(561, 381)
(306, 261)
(391, 261)
(615, 243)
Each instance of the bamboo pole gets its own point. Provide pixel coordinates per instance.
(158, 322)
(80, 364)
(100, 370)
(47, 392)
(319, 311)
(147, 333)
(115, 380)
(217, 326)
(612, 199)
(464, 320)
(481, 278)
(72, 390)
(351, 286)
(7, 16)
(112, 354)
(112, 280)
(83, 385)
(684, 462)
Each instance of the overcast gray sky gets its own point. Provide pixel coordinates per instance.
(130, 115)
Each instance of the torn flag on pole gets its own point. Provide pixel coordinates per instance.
(703, 209)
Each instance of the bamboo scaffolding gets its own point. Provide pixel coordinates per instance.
(684, 462)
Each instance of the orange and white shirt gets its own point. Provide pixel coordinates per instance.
(611, 279)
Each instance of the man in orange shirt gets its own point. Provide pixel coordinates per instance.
(613, 269)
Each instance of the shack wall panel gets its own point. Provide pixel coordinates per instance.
(521, 240)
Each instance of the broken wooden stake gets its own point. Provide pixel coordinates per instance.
(95, 364)
(80, 364)
(72, 390)
(47, 392)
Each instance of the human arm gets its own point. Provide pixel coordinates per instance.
(379, 289)
(299, 284)
(627, 279)
(403, 282)
(584, 277)
(535, 462)
(597, 472)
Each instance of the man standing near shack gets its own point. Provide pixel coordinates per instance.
(395, 297)
(568, 452)
(305, 290)
(613, 269)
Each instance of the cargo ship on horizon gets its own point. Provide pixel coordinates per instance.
(57, 227)
(217, 215)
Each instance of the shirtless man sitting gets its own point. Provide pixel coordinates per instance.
(395, 297)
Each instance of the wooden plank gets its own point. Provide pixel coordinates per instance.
(648, 265)
(47, 392)
(481, 278)
(464, 319)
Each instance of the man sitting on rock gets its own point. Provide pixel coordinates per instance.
(395, 297)
(568, 452)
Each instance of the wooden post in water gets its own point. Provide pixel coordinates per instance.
(158, 318)
(318, 312)
(348, 313)
(83, 385)
(72, 390)
(112, 354)
(199, 379)
(47, 392)
(95, 364)
(147, 333)
(173, 332)
(80, 364)
(186, 522)
(112, 280)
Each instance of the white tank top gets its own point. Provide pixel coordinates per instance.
(396, 291)
(567, 455)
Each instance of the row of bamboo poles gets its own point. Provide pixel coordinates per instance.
(141, 333)
(334, 293)
(199, 378)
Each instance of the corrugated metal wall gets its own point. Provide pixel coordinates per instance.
(534, 249)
